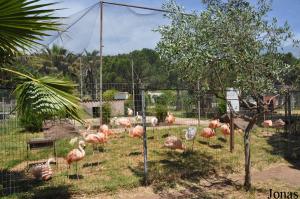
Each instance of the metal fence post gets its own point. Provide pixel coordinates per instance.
(145, 134)
(199, 103)
(231, 132)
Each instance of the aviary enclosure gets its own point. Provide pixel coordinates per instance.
(172, 148)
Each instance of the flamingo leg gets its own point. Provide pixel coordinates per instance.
(77, 171)
(193, 145)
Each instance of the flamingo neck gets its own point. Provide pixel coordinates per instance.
(81, 149)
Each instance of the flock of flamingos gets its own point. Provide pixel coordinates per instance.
(44, 171)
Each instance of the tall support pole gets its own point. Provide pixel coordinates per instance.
(132, 76)
(144, 136)
(231, 132)
(81, 79)
(199, 103)
(101, 58)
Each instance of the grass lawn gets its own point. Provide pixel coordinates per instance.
(119, 164)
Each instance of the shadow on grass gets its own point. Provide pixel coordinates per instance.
(184, 169)
(136, 153)
(75, 177)
(52, 193)
(216, 146)
(287, 146)
(222, 139)
(92, 164)
(21, 186)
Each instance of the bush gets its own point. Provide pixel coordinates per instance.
(222, 107)
(106, 109)
(161, 112)
(109, 95)
(31, 123)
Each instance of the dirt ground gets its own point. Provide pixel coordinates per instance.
(281, 173)
(288, 174)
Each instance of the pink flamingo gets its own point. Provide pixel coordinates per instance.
(208, 133)
(170, 119)
(278, 124)
(172, 142)
(137, 131)
(76, 155)
(267, 123)
(225, 129)
(124, 122)
(104, 129)
(214, 124)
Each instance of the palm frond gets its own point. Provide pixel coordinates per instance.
(22, 23)
(46, 97)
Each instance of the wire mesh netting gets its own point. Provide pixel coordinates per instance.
(174, 114)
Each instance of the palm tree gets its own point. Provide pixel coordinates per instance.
(91, 64)
(44, 98)
(22, 24)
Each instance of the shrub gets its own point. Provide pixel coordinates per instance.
(31, 123)
(109, 95)
(106, 109)
(161, 112)
(222, 108)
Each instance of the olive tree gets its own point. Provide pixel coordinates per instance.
(229, 44)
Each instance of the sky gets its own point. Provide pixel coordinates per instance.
(126, 29)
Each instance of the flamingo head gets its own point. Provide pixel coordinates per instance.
(82, 144)
(50, 160)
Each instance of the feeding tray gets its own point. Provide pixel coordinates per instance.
(40, 143)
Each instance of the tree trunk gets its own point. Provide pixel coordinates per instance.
(247, 182)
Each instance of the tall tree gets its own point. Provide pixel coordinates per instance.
(230, 44)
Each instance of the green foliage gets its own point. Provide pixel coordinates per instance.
(22, 23)
(44, 98)
(233, 51)
(222, 106)
(31, 122)
(109, 95)
(106, 115)
(161, 112)
(166, 98)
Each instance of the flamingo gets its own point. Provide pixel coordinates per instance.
(172, 142)
(76, 155)
(138, 118)
(154, 122)
(104, 129)
(124, 122)
(190, 134)
(43, 171)
(267, 123)
(129, 112)
(214, 124)
(170, 119)
(278, 124)
(225, 129)
(137, 132)
(208, 133)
